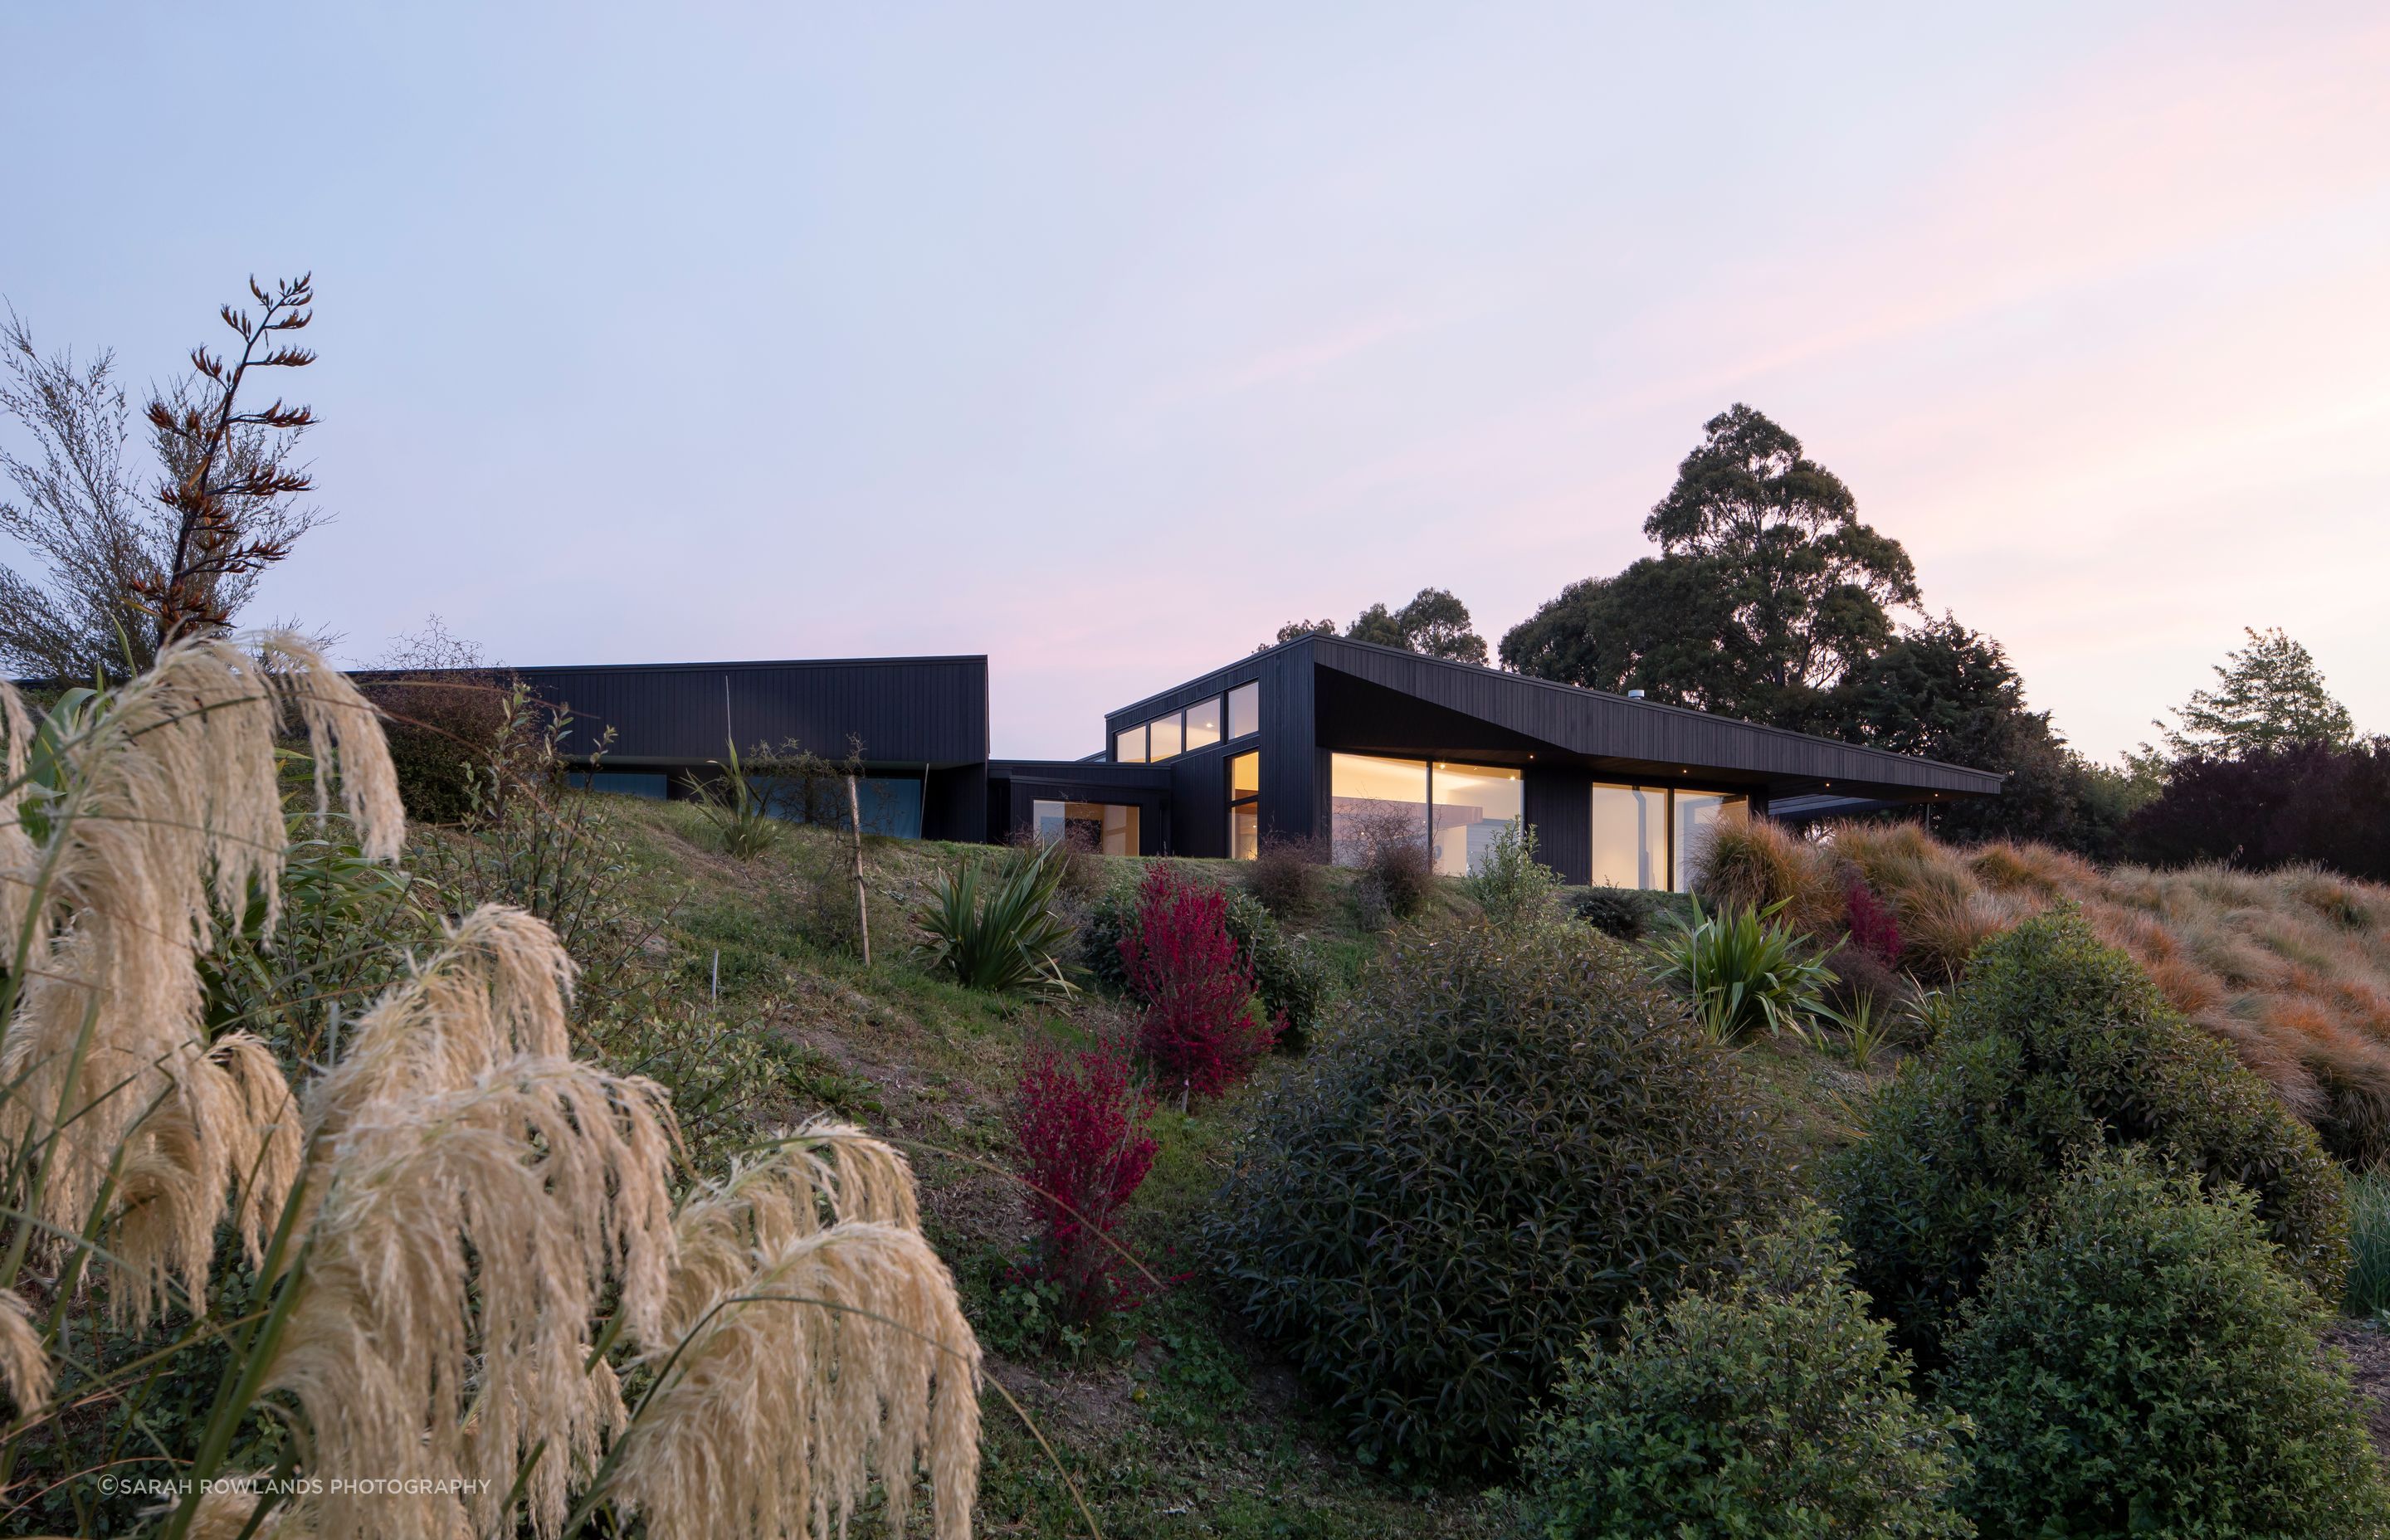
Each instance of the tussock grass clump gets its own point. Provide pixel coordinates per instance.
(2290, 968)
(1758, 863)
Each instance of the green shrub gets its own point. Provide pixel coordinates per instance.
(2136, 1365)
(1768, 1404)
(1741, 972)
(1495, 1144)
(1288, 976)
(442, 731)
(1287, 875)
(1007, 938)
(2056, 1045)
(1615, 912)
(1511, 884)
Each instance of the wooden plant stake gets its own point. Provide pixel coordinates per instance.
(861, 909)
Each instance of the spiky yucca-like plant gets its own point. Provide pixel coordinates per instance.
(458, 1228)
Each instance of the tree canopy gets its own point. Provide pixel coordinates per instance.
(2269, 696)
(1435, 622)
(1767, 591)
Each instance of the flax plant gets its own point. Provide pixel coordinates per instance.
(461, 1236)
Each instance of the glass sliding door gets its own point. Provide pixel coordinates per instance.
(1697, 814)
(1372, 800)
(1630, 837)
(1107, 829)
(1471, 804)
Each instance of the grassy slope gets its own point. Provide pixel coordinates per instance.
(1196, 1430)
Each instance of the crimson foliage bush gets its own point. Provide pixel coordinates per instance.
(1872, 928)
(1079, 1143)
(1203, 1028)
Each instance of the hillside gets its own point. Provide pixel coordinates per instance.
(1188, 1427)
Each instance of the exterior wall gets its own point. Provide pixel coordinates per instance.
(1560, 809)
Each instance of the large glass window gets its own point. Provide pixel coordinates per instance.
(1245, 710)
(1128, 746)
(1473, 804)
(1244, 806)
(1108, 828)
(1372, 800)
(1203, 723)
(1650, 836)
(1697, 814)
(1630, 837)
(1162, 737)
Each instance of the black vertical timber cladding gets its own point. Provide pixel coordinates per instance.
(954, 804)
(906, 712)
(1560, 809)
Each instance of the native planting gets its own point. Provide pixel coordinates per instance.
(1498, 1145)
(2055, 1047)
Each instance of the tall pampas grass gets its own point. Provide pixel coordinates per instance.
(165, 806)
(459, 1229)
(807, 1311)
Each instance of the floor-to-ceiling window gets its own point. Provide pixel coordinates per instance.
(1469, 806)
(1456, 811)
(1697, 813)
(1650, 836)
(1630, 837)
(1372, 800)
(1245, 805)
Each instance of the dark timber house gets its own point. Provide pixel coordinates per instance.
(1320, 737)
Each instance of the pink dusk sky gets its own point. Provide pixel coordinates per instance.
(1103, 339)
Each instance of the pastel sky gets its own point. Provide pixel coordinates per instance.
(1104, 338)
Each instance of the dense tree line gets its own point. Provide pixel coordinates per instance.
(1769, 599)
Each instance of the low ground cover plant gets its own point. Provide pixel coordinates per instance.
(2055, 1046)
(1767, 1402)
(1082, 1147)
(1497, 1144)
(2137, 1363)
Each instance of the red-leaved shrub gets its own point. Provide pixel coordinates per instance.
(1872, 927)
(1203, 1029)
(1079, 1143)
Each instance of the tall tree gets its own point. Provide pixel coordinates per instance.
(1435, 623)
(121, 573)
(2270, 695)
(1767, 589)
(1942, 691)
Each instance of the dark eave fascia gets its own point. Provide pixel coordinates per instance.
(1891, 769)
(743, 665)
